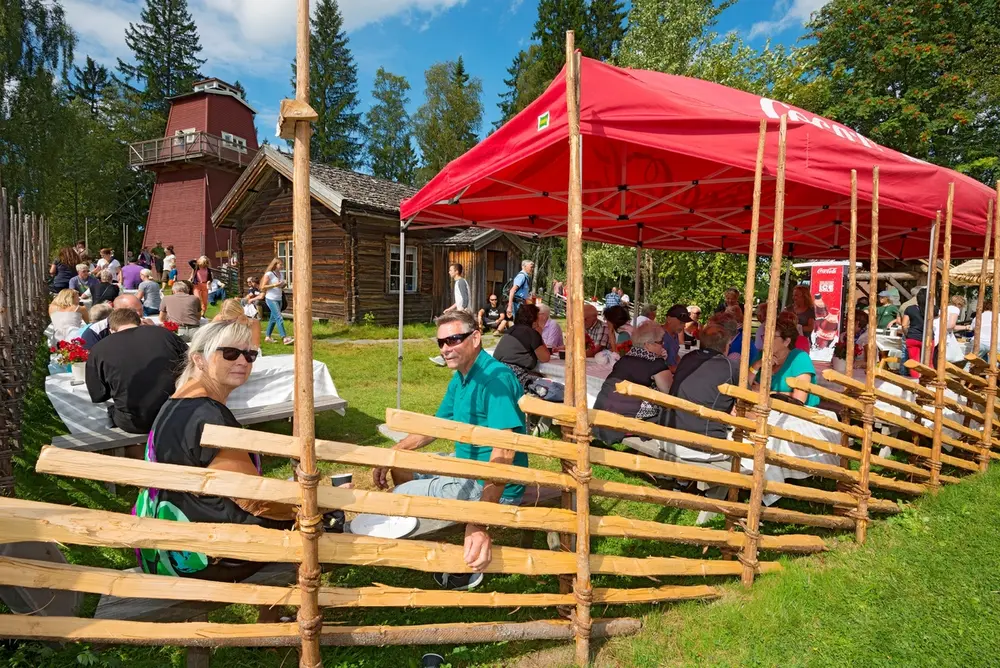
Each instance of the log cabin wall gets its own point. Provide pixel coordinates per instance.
(330, 263)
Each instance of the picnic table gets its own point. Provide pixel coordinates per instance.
(267, 395)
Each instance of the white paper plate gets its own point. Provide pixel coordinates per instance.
(383, 526)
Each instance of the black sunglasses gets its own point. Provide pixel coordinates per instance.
(231, 354)
(454, 339)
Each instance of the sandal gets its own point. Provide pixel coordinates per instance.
(288, 340)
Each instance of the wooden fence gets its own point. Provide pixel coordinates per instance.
(24, 254)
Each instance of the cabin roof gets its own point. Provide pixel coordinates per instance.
(480, 237)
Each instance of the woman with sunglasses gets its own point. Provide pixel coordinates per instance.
(219, 360)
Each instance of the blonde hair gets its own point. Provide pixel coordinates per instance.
(203, 261)
(270, 267)
(106, 276)
(958, 300)
(231, 309)
(209, 339)
(67, 299)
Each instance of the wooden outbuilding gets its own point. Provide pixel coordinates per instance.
(355, 225)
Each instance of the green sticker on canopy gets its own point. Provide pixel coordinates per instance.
(543, 121)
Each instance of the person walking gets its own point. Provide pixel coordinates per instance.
(271, 285)
(169, 274)
(462, 302)
(520, 288)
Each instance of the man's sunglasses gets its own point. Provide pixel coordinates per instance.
(453, 340)
(232, 354)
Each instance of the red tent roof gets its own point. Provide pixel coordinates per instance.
(674, 156)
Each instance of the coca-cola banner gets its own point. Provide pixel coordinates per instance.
(827, 287)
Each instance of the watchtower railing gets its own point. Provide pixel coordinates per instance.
(189, 146)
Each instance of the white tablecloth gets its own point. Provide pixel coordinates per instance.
(271, 382)
(555, 369)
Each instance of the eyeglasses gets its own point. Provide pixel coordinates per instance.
(232, 354)
(453, 340)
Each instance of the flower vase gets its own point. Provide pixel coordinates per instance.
(79, 370)
(839, 365)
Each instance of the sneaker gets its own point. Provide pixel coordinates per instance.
(288, 340)
(458, 581)
(268, 339)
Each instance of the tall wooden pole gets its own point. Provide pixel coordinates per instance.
(871, 352)
(574, 247)
(991, 369)
(939, 384)
(310, 520)
(763, 408)
(749, 288)
(930, 301)
(981, 296)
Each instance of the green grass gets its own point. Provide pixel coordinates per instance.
(928, 573)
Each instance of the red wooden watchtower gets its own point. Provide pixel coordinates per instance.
(210, 139)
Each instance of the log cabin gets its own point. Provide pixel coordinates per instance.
(355, 223)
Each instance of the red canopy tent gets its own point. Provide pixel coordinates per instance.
(674, 157)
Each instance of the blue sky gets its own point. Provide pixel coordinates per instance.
(254, 40)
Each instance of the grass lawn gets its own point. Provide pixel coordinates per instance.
(927, 574)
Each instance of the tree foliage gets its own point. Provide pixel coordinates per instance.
(165, 47)
(388, 133)
(333, 90)
(447, 124)
(917, 75)
(89, 84)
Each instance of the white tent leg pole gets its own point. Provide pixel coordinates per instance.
(638, 268)
(925, 352)
(784, 291)
(402, 291)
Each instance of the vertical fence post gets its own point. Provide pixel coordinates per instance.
(749, 289)
(981, 295)
(748, 557)
(581, 432)
(868, 396)
(991, 370)
(310, 616)
(939, 381)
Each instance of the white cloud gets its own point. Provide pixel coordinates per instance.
(236, 35)
(790, 13)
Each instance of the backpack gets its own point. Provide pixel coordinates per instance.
(510, 283)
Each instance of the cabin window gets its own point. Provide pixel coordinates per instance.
(233, 142)
(410, 271)
(283, 250)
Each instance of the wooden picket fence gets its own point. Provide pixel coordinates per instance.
(24, 254)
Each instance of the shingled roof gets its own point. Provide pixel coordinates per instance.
(362, 189)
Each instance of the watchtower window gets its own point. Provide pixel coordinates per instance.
(184, 137)
(233, 142)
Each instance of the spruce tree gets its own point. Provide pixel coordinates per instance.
(555, 17)
(333, 90)
(605, 28)
(88, 84)
(388, 136)
(165, 45)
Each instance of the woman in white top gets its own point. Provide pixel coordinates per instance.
(954, 351)
(67, 315)
(271, 284)
(169, 267)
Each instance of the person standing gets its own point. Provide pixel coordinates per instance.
(887, 313)
(149, 293)
(520, 288)
(692, 329)
(731, 297)
(271, 285)
(131, 275)
(913, 328)
(612, 299)
(462, 302)
(482, 392)
(169, 274)
(201, 278)
(109, 262)
(802, 305)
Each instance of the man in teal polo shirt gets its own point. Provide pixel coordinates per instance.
(484, 393)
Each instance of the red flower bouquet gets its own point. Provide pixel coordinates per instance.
(70, 352)
(171, 326)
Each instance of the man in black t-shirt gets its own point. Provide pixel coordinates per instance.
(136, 367)
(493, 318)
